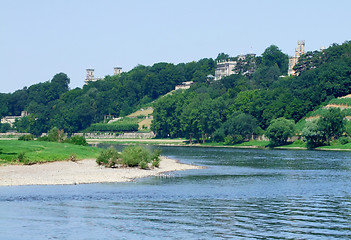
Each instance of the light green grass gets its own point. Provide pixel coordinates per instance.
(337, 146)
(36, 151)
(252, 143)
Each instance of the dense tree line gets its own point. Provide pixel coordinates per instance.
(53, 104)
(210, 109)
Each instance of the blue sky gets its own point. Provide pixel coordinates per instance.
(39, 38)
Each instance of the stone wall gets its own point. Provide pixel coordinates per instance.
(128, 135)
(12, 134)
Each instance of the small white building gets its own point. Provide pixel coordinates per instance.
(184, 85)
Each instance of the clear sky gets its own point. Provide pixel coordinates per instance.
(39, 38)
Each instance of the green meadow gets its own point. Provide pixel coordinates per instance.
(30, 152)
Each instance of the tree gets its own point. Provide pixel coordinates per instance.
(280, 130)
(222, 56)
(332, 124)
(56, 135)
(313, 134)
(239, 127)
(273, 55)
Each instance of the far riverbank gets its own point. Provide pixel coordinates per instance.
(254, 144)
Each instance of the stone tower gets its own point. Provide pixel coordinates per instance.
(90, 76)
(300, 50)
(117, 70)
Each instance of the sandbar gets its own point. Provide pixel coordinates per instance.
(81, 172)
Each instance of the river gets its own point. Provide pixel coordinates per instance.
(241, 194)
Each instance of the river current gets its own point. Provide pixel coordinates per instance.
(241, 194)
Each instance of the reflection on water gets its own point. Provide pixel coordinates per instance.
(243, 194)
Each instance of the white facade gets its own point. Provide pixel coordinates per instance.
(90, 74)
(117, 71)
(224, 68)
(11, 119)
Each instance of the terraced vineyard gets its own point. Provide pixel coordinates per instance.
(344, 103)
(341, 101)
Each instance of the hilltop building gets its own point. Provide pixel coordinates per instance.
(224, 68)
(300, 50)
(235, 66)
(184, 85)
(11, 119)
(91, 78)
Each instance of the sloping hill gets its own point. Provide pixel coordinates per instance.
(344, 103)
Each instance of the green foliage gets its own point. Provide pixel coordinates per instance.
(21, 157)
(332, 123)
(312, 134)
(341, 101)
(5, 127)
(344, 140)
(273, 56)
(51, 104)
(233, 139)
(27, 137)
(155, 158)
(72, 157)
(133, 156)
(109, 158)
(77, 140)
(56, 135)
(36, 151)
(116, 127)
(280, 130)
(239, 127)
(143, 164)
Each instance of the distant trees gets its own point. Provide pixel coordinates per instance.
(238, 128)
(52, 104)
(330, 125)
(232, 108)
(280, 130)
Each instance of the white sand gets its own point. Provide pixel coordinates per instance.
(85, 171)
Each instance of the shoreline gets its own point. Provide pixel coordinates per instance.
(81, 172)
(158, 142)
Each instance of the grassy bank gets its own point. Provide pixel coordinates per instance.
(36, 151)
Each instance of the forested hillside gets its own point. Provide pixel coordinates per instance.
(237, 106)
(52, 104)
(240, 105)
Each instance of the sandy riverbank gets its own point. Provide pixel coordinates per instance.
(81, 172)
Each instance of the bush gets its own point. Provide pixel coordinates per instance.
(109, 158)
(28, 137)
(233, 139)
(77, 140)
(73, 157)
(56, 135)
(133, 155)
(121, 127)
(43, 139)
(280, 130)
(156, 158)
(344, 140)
(21, 157)
(143, 165)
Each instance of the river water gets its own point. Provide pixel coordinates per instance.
(241, 194)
